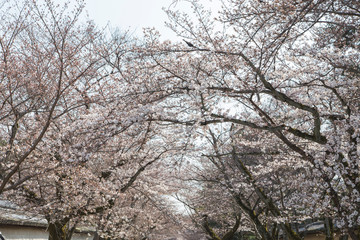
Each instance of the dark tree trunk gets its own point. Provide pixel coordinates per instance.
(343, 237)
(355, 235)
(60, 230)
(329, 229)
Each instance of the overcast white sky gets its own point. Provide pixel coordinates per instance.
(134, 15)
(131, 15)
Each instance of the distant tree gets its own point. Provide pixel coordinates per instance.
(243, 189)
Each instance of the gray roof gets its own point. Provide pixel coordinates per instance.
(11, 214)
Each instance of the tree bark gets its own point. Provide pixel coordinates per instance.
(329, 228)
(60, 230)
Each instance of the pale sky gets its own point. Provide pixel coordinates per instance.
(131, 15)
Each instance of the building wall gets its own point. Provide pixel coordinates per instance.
(82, 236)
(23, 233)
(319, 236)
(34, 233)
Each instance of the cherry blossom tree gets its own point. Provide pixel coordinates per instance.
(285, 70)
(47, 67)
(74, 140)
(49, 72)
(264, 95)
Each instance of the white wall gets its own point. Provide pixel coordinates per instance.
(32, 233)
(82, 236)
(22, 233)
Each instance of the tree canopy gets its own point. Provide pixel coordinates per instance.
(251, 120)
